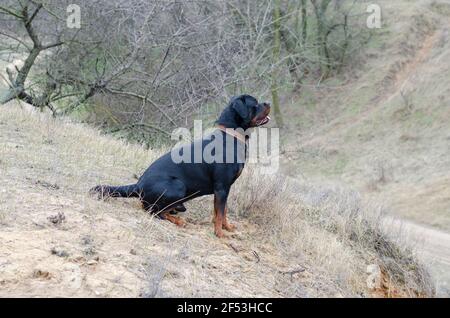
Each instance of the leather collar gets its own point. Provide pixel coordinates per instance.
(232, 132)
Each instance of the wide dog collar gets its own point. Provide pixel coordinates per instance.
(232, 132)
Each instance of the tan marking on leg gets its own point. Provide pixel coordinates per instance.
(227, 226)
(174, 219)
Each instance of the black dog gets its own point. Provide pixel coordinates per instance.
(166, 185)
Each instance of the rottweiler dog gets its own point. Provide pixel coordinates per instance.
(168, 183)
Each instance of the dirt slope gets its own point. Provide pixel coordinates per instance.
(56, 240)
(104, 248)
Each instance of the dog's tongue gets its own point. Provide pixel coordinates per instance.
(263, 121)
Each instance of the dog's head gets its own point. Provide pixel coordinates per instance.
(244, 112)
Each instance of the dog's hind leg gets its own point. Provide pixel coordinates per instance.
(172, 218)
(179, 208)
(165, 199)
(164, 215)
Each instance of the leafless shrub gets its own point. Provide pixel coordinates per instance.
(382, 173)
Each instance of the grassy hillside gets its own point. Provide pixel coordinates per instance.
(293, 239)
(383, 126)
(380, 127)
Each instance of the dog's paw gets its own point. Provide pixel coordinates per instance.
(181, 222)
(229, 227)
(219, 233)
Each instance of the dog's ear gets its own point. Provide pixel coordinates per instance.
(242, 109)
(239, 104)
(250, 101)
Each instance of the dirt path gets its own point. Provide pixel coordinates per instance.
(406, 72)
(436, 243)
(396, 86)
(433, 247)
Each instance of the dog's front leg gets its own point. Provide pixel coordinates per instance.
(227, 226)
(220, 202)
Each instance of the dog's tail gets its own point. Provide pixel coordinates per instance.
(128, 191)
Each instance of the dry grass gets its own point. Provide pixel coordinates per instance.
(338, 233)
(293, 240)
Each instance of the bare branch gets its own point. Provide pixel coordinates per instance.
(49, 46)
(30, 19)
(140, 125)
(11, 12)
(16, 39)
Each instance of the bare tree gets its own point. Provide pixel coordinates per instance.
(25, 16)
(140, 68)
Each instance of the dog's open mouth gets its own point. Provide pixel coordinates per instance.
(263, 121)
